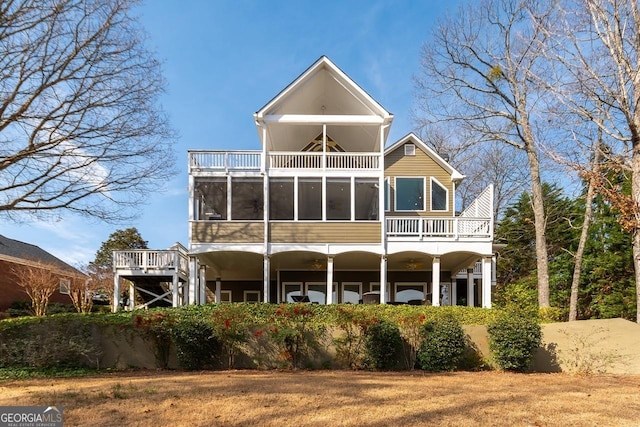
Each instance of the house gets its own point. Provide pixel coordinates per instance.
(324, 212)
(15, 254)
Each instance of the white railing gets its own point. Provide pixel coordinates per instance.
(224, 160)
(143, 259)
(452, 228)
(328, 161)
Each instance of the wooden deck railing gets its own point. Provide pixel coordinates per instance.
(450, 228)
(145, 260)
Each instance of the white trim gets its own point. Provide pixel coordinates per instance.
(386, 194)
(424, 192)
(247, 293)
(284, 292)
(431, 181)
(65, 285)
(330, 119)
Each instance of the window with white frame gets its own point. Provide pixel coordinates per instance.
(310, 199)
(290, 290)
(251, 296)
(410, 194)
(339, 199)
(351, 292)
(405, 292)
(247, 199)
(387, 195)
(366, 194)
(210, 199)
(409, 149)
(225, 297)
(439, 196)
(65, 286)
(281, 199)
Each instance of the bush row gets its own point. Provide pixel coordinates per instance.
(267, 336)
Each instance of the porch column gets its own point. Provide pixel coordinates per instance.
(176, 295)
(266, 278)
(132, 295)
(193, 279)
(383, 279)
(116, 292)
(329, 280)
(486, 282)
(470, 288)
(218, 290)
(202, 284)
(454, 291)
(435, 282)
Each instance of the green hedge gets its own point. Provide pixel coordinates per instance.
(263, 336)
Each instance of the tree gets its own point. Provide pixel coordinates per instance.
(100, 270)
(477, 76)
(80, 128)
(597, 54)
(39, 282)
(82, 290)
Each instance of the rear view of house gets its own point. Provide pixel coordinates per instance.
(323, 212)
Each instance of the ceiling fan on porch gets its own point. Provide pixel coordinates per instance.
(412, 265)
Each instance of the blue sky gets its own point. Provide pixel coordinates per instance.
(223, 60)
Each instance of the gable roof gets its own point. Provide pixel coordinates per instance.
(322, 81)
(14, 250)
(412, 138)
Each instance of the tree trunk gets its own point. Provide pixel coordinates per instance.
(539, 220)
(635, 194)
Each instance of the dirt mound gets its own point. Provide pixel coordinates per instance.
(609, 346)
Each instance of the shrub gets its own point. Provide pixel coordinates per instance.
(155, 326)
(54, 343)
(196, 346)
(513, 340)
(382, 344)
(443, 345)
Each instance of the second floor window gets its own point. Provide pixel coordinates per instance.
(439, 196)
(409, 194)
(247, 199)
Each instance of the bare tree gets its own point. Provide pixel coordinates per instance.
(39, 282)
(476, 76)
(80, 128)
(82, 290)
(597, 55)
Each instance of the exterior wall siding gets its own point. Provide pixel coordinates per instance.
(325, 232)
(421, 165)
(227, 232)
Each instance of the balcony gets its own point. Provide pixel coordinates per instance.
(225, 161)
(399, 228)
(151, 261)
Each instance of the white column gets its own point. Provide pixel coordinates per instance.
(202, 284)
(486, 282)
(218, 290)
(470, 288)
(383, 279)
(435, 282)
(454, 291)
(176, 296)
(278, 287)
(329, 280)
(266, 279)
(116, 293)
(193, 280)
(132, 295)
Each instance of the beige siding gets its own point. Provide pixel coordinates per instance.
(396, 164)
(325, 232)
(227, 232)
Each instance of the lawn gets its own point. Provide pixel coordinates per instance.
(328, 398)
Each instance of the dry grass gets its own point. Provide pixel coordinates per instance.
(328, 398)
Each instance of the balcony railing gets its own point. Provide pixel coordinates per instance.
(450, 228)
(146, 260)
(222, 161)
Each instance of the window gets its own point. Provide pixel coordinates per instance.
(367, 205)
(247, 199)
(409, 149)
(406, 292)
(339, 199)
(225, 296)
(375, 287)
(65, 286)
(210, 199)
(290, 290)
(439, 196)
(410, 194)
(251, 296)
(351, 292)
(281, 199)
(310, 199)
